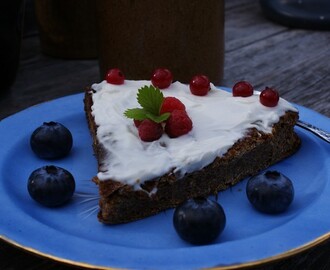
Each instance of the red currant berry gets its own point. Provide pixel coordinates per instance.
(269, 97)
(199, 85)
(242, 89)
(161, 78)
(170, 104)
(115, 76)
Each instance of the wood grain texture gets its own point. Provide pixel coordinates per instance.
(294, 61)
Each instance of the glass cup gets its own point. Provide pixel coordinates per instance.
(185, 36)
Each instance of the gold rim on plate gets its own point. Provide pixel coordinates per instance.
(275, 258)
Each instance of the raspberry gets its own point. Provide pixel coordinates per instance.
(170, 104)
(150, 131)
(178, 124)
(137, 122)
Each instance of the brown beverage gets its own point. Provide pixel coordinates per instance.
(67, 28)
(185, 36)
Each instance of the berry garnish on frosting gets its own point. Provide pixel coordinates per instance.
(199, 85)
(242, 89)
(170, 104)
(137, 123)
(157, 113)
(269, 97)
(161, 78)
(115, 76)
(149, 130)
(151, 99)
(178, 124)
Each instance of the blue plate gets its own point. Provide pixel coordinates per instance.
(73, 234)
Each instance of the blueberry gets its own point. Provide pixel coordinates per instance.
(199, 221)
(51, 140)
(270, 192)
(51, 185)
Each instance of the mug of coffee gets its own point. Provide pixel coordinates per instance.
(185, 36)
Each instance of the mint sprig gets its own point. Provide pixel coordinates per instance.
(136, 113)
(158, 118)
(151, 99)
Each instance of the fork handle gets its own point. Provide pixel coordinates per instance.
(317, 131)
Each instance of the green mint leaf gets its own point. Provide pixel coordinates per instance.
(150, 99)
(158, 118)
(136, 113)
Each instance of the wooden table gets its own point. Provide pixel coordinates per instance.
(295, 61)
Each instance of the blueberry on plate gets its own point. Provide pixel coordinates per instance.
(51, 185)
(270, 192)
(199, 221)
(51, 140)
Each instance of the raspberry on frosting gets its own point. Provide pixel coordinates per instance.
(137, 122)
(178, 124)
(170, 104)
(150, 131)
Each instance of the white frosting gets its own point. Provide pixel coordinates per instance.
(219, 120)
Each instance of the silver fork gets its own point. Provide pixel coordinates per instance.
(317, 131)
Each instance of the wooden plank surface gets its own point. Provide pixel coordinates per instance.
(295, 61)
